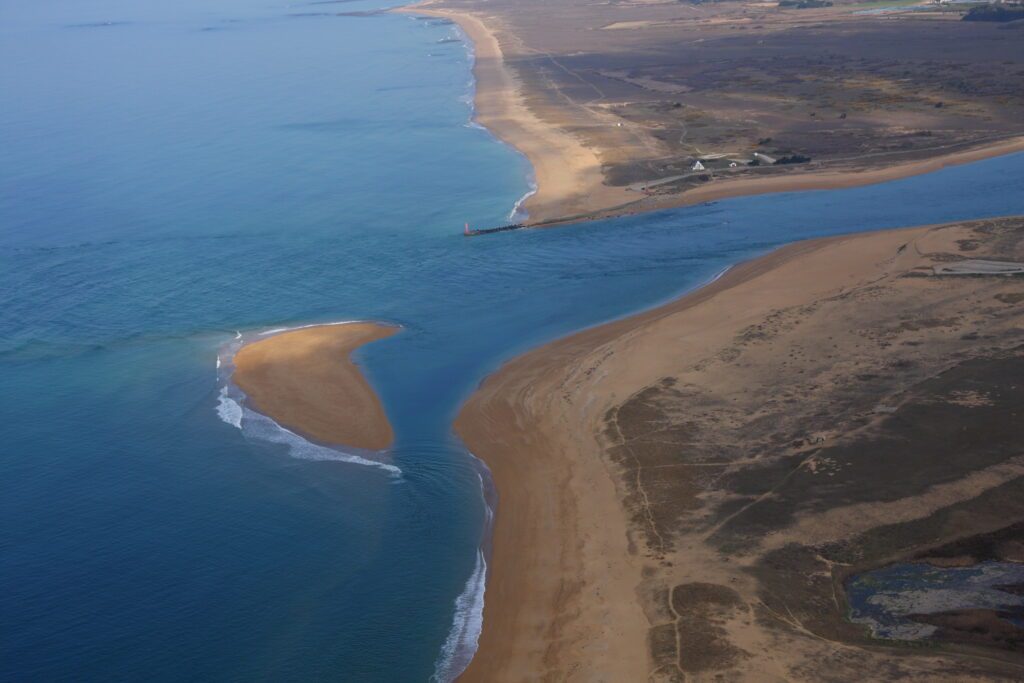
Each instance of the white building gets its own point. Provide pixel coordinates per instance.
(697, 166)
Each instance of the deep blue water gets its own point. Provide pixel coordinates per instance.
(173, 172)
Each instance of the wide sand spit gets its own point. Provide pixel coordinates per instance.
(595, 528)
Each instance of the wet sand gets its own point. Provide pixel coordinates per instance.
(306, 381)
(622, 455)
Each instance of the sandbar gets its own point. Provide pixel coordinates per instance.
(306, 381)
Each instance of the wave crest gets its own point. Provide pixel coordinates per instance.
(228, 409)
(464, 637)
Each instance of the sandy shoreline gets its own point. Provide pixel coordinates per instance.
(572, 591)
(305, 380)
(568, 173)
(560, 529)
(564, 587)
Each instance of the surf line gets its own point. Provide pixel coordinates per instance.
(467, 622)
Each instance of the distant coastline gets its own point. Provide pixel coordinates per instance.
(570, 185)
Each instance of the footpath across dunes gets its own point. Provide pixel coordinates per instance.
(306, 381)
(689, 492)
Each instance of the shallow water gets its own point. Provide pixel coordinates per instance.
(172, 173)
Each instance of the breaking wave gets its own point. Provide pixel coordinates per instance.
(260, 427)
(228, 409)
(279, 330)
(518, 213)
(461, 644)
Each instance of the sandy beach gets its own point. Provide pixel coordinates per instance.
(567, 172)
(635, 461)
(305, 380)
(614, 561)
(562, 585)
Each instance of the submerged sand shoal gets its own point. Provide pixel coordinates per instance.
(306, 381)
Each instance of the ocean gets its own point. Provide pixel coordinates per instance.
(174, 174)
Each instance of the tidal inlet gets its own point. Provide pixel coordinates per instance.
(512, 340)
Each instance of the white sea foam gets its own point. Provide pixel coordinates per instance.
(228, 409)
(464, 637)
(278, 330)
(263, 428)
(717, 277)
(260, 427)
(518, 214)
(461, 644)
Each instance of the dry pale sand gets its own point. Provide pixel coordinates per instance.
(595, 532)
(306, 381)
(567, 172)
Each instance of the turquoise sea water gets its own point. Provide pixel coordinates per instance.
(173, 172)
